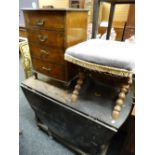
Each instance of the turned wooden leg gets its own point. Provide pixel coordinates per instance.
(121, 97)
(77, 88)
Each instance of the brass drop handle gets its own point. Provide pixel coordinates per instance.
(47, 69)
(40, 22)
(42, 38)
(44, 52)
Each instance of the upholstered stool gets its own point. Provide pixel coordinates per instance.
(104, 56)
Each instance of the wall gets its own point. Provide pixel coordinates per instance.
(89, 6)
(121, 12)
(24, 4)
(55, 3)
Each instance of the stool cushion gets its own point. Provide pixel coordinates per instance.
(105, 52)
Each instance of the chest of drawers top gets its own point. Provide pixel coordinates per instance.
(50, 18)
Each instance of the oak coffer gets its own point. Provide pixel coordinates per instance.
(87, 124)
(50, 32)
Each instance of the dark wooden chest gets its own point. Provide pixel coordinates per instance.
(86, 124)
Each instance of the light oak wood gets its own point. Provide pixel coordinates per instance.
(77, 87)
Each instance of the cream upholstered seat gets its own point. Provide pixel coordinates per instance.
(104, 56)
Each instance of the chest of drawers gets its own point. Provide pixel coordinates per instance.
(50, 32)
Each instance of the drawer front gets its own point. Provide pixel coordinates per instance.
(128, 33)
(46, 38)
(52, 70)
(54, 55)
(44, 19)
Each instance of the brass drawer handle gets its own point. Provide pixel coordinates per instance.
(42, 38)
(44, 52)
(40, 22)
(47, 69)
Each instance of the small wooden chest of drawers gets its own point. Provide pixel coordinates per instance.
(50, 32)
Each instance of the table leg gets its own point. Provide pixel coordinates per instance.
(96, 7)
(112, 9)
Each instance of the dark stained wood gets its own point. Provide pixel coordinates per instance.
(88, 100)
(50, 32)
(110, 20)
(96, 6)
(128, 147)
(86, 124)
(71, 70)
(77, 129)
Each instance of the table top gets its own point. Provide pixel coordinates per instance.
(54, 9)
(97, 107)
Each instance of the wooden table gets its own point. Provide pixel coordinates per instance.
(112, 8)
(85, 125)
